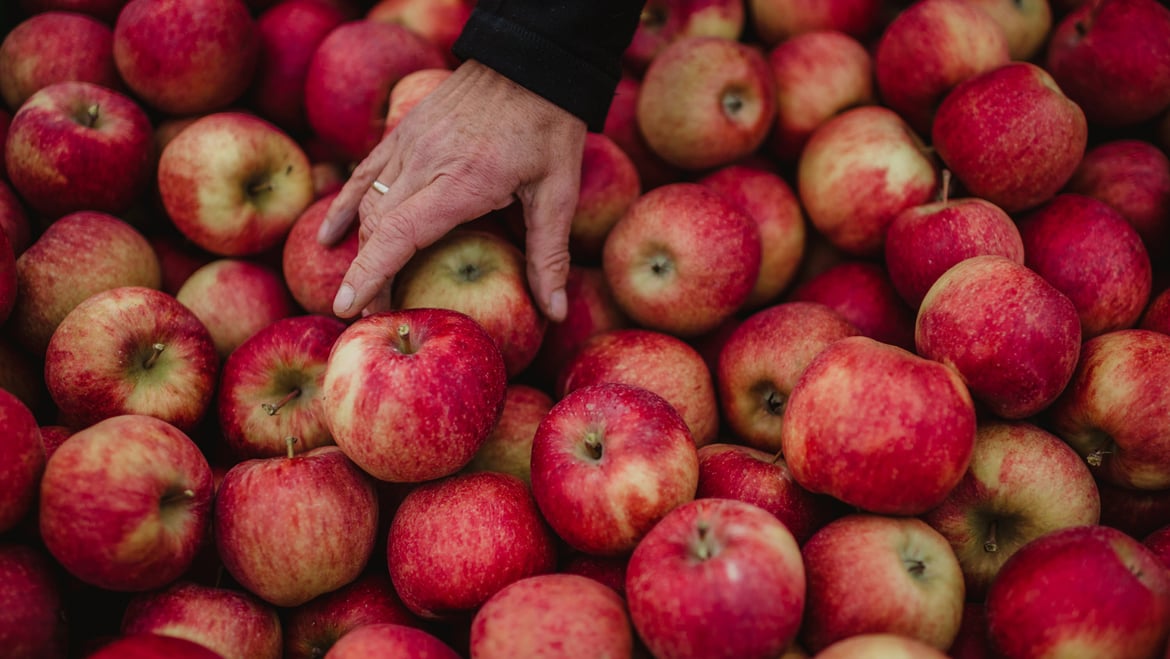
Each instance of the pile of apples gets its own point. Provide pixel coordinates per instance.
(867, 351)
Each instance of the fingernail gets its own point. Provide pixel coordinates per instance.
(558, 305)
(344, 299)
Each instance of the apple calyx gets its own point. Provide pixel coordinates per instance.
(732, 102)
(990, 545)
(703, 545)
(156, 351)
(915, 566)
(273, 408)
(772, 401)
(593, 445)
(661, 265)
(470, 272)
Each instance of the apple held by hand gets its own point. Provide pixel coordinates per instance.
(146, 509)
(608, 461)
(862, 406)
(717, 577)
(411, 395)
(230, 621)
(1122, 602)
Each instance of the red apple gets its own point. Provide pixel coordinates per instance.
(876, 644)
(55, 46)
(857, 171)
(313, 272)
(706, 102)
(390, 640)
(32, 623)
(291, 528)
(1134, 512)
(1158, 542)
(1025, 23)
(146, 511)
(22, 460)
(411, 395)
(508, 448)
(178, 258)
(186, 57)
(775, 21)
(14, 219)
(621, 125)
(60, 132)
(312, 628)
(104, 10)
(609, 184)
(1012, 336)
(132, 350)
(608, 462)
(861, 405)
(455, 542)
(233, 183)
(653, 360)
(864, 294)
(1157, 314)
(696, 581)
(682, 259)
(408, 91)
(235, 299)
(230, 621)
(438, 21)
(1092, 254)
(665, 21)
(1010, 135)
(879, 574)
(1123, 603)
(152, 646)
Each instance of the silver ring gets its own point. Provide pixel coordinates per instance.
(379, 186)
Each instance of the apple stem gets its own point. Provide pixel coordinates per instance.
(178, 496)
(91, 115)
(1097, 457)
(778, 457)
(944, 192)
(158, 349)
(404, 337)
(288, 445)
(990, 545)
(273, 408)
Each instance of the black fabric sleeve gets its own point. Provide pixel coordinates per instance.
(567, 51)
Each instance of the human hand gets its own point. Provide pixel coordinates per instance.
(475, 144)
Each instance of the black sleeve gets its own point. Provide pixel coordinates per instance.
(567, 51)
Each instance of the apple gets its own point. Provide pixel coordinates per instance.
(1012, 336)
(104, 10)
(818, 74)
(389, 640)
(1132, 176)
(663, 22)
(230, 621)
(438, 21)
(270, 387)
(928, 48)
(767, 198)
(186, 57)
(60, 132)
(312, 628)
(328, 178)
(682, 259)
(313, 272)
(1123, 603)
(31, 615)
(9, 286)
(147, 505)
(606, 570)
(1158, 542)
(1010, 135)
(289, 32)
(608, 462)
(22, 460)
(152, 646)
(906, 421)
(885, 645)
(655, 361)
(233, 183)
(291, 528)
(695, 582)
(508, 448)
(235, 298)
(923, 241)
(1114, 411)
(1113, 59)
(1025, 23)
(706, 101)
(408, 91)
(761, 361)
(1134, 512)
(864, 294)
(132, 350)
(1091, 253)
(621, 125)
(77, 256)
(1157, 313)
(775, 21)
(858, 170)
(14, 219)
(350, 77)
(1023, 482)
(411, 395)
(482, 275)
(178, 258)
(743, 473)
(456, 541)
(609, 184)
(55, 46)
(881, 574)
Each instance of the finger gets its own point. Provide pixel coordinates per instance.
(343, 210)
(548, 216)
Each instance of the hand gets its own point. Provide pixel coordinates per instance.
(475, 144)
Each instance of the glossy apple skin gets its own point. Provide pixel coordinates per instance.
(416, 408)
(865, 405)
(53, 47)
(881, 574)
(694, 583)
(313, 627)
(455, 542)
(508, 448)
(1125, 597)
(390, 640)
(231, 621)
(139, 471)
(57, 135)
(235, 298)
(32, 623)
(563, 614)
(1010, 135)
(1013, 337)
(289, 529)
(313, 272)
(1115, 412)
(608, 461)
(863, 293)
(22, 460)
(186, 57)
(152, 646)
(609, 184)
